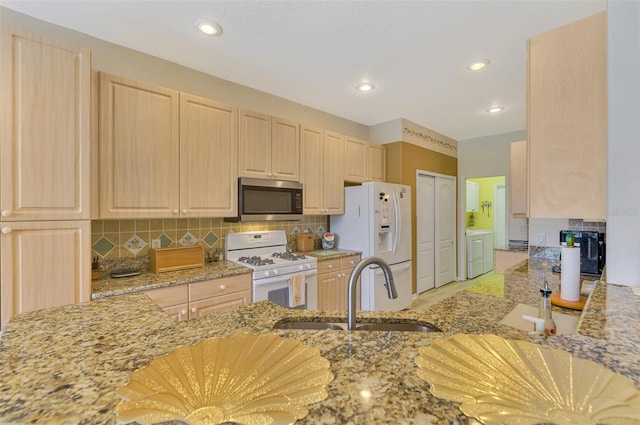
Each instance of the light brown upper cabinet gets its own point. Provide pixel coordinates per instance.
(165, 153)
(518, 179)
(567, 121)
(322, 165)
(364, 161)
(268, 147)
(44, 128)
(208, 152)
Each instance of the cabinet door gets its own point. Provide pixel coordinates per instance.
(44, 128)
(254, 145)
(377, 162)
(355, 160)
(333, 173)
(139, 149)
(311, 163)
(44, 264)
(331, 295)
(518, 179)
(285, 150)
(208, 158)
(567, 121)
(473, 197)
(213, 305)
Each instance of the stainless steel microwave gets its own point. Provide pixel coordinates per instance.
(268, 200)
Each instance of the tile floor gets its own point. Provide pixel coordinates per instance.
(490, 283)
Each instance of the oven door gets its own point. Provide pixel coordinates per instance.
(276, 290)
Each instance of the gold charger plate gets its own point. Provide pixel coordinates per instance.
(252, 379)
(501, 381)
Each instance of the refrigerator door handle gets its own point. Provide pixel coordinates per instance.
(398, 222)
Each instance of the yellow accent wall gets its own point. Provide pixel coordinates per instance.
(484, 217)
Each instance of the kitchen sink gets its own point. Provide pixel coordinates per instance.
(384, 326)
(311, 325)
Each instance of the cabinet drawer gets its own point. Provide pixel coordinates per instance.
(169, 296)
(215, 304)
(348, 263)
(328, 266)
(216, 287)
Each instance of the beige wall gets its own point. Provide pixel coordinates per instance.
(119, 60)
(403, 159)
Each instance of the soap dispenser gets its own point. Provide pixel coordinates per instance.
(544, 312)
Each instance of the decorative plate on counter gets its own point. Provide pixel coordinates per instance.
(501, 381)
(252, 379)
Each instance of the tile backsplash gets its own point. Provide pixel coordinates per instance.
(114, 239)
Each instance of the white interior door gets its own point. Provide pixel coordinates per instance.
(425, 231)
(445, 230)
(499, 216)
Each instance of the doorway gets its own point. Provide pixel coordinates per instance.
(435, 230)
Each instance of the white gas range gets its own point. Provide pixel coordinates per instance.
(274, 268)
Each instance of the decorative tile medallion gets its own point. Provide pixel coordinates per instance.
(188, 239)
(321, 231)
(135, 244)
(295, 231)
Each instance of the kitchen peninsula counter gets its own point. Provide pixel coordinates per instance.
(64, 364)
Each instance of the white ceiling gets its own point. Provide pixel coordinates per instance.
(315, 52)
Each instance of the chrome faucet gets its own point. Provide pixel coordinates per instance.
(353, 280)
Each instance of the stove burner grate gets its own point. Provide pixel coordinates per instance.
(288, 256)
(256, 260)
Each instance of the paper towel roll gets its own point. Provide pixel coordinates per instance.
(570, 274)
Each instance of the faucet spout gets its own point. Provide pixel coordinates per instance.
(353, 281)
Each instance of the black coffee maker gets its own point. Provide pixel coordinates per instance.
(592, 250)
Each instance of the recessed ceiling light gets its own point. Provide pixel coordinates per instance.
(478, 64)
(364, 87)
(208, 27)
(495, 109)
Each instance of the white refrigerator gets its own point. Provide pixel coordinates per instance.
(377, 221)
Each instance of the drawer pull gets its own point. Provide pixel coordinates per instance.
(330, 266)
(222, 287)
(6, 230)
(6, 213)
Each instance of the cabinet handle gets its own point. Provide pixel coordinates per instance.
(6, 213)
(193, 309)
(222, 288)
(175, 212)
(182, 314)
(184, 212)
(330, 266)
(6, 230)
(352, 262)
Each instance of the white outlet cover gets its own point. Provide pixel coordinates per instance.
(156, 243)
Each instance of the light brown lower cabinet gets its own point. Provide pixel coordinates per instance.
(333, 281)
(216, 295)
(198, 299)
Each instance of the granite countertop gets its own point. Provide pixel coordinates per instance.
(330, 254)
(108, 287)
(64, 364)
